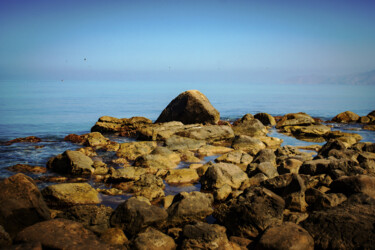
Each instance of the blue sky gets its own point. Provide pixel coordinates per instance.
(247, 41)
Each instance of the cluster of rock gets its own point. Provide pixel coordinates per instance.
(257, 194)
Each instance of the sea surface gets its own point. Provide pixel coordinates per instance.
(52, 110)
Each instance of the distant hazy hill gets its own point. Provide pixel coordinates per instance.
(366, 78)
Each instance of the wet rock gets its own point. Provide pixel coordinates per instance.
(266, 119)
(182, 176)
(237, 157)
(347, 226)
(286, 236)
(209, 133)
(67, 194)
(346, 117)
(220, 174)
(209, 150)
(30, 139)
(71, 162)
(248, 144)
(25, 168)
(189, 207)
(94, 218)
(133, 150)
(5, 239)
(74, 138)
(354, 184)
(369, 127)
(190, 107)
(114, 237)
(249, 126)
(251, 213)
(182, 143)
(295, 119)
(201, 235)
(153, 239)
(134, 215)
(126, 174)
(127, 127)
(60, 234)
(22, 204)
(148, 186)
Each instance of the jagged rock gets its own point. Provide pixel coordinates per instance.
(71, 162)
(181, 143)
(209, 133)
(94, 218)
(201, 235)
(354, 184)
(25, 168)
(295, 119)
(286, 236)
(22, 204)
(190, 107)
(266, 119)
(133, 150)
(153, 239)
(67, 194)
(127, 127)
(251, 213)
(126, 174)
(134, 215)
(345, 117)
(182, 176)
(208, 150)
(114, 236)
(237, 157)
(220, 174)
(190, 206)
(60, 234)
(347, 226)
(248, 144)
(249, 126)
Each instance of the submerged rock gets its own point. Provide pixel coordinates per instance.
(125, 126)
(30, 139)
(190, 107)
(25, 168)
(251, 145)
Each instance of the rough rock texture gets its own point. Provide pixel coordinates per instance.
(266, 119)
(237, 157)
(160, 158)
(125, 126)
(60, 234)
(347, 226)
(287, 236)
(295, 119)
(24, 168)
(126, 174)
(22, 204)
(181, 176)
(220, 174)
(251, 213)
(249, 126)
(201, 235)
(209, 133)
(134, 215)
(71, 162)
(345, 117)
(153, 239)
(67, 194)
(248, 144)
(148, 186)
(132, 150)
(181, 143)
(190, 107)
(189, 206)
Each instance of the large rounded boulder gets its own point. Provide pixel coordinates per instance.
(345, 117)
(190, 107)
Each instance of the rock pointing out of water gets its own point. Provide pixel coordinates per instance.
(190, 107)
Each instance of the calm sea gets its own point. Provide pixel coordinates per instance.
(51, 110)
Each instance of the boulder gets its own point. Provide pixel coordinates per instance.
(209, 133)
(94, 218)
(286, 236)
(248, 144)
(220, 174)
(347, 226)
(134, 215)
(237, 157)
(189, 207)
(67, 194)
(345, 117)
(249, 126)
(182, 176)
(133, 150)
(148, 186)
(354, 184)
(181, 143)
(60, 234)
(153, 239)
(190, 107)
(126, 127)
(202, 235)
(266, 119)
(114, 236)
(251, 213)
(22, 204)
(295, 119)
(71, 162)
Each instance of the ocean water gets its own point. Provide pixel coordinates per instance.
(52, 110)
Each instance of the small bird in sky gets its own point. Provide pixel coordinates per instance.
(84, 59)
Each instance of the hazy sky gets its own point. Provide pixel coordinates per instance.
(250, 41)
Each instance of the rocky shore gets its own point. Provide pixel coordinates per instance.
(256, 194)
